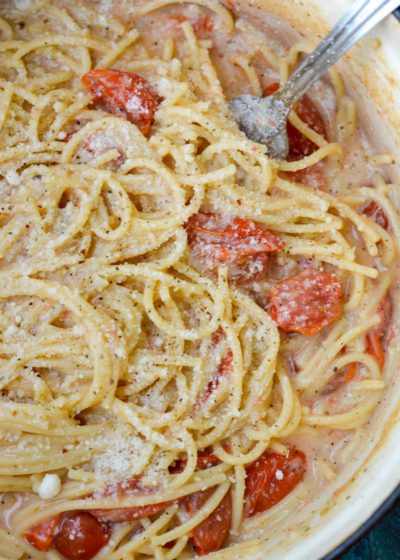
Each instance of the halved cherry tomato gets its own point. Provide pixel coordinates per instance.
(271, 478)
(41, 536)
(210, 535)
(205, 460)
(123, 489)
(375, 212)
(306, 302)
(124, 94)
(80, 536)
(238, 243)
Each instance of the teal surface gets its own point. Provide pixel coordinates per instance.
(382, 543)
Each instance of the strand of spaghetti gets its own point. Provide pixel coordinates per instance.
(177, 548)
(5, 101)
(346, 420)
(22, 48)
(208, 70)
(211, 177)
(118, 535)
(243, 458)
(324, 357)
(238, 493)
(108, 59)
(309, 161)
(13, 484)
(148, 533)
(6, 29)
(102, 382)
(370, 364)
(284, 415)
(12, 548)
(250, 73)
(210, 505)
(388, 208)
(346, 120)
(351, 267)
(357, 292)
(308, 132)
(33, 514)
(240, 551)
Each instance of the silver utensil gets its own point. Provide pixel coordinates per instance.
(264, 119)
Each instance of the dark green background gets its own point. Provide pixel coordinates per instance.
(382, 542)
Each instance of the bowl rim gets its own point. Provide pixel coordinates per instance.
(382, 511)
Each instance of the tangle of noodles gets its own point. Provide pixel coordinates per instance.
(112, 330)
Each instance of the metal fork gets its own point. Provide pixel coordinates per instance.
(264, 119)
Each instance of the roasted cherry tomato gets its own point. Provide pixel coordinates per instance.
(80, 536)
(238, 243)
(123, 489)
(271, 478)
(306, 302)
(124, 94)
(375, 212)
(41, 536)
(211, 534)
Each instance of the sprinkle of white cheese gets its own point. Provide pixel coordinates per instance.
(49, 487)
(12, 177)
(279, 475)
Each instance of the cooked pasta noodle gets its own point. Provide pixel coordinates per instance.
(122, 356)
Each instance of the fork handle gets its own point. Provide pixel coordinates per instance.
(357, 22)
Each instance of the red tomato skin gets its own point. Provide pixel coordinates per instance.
(80, 536)
(130, 487)
(41, 536)
(378, 336)
(238, 243)
(124, 94)
(120, 515)
(211, 534)
(263, 488)
(306, 302)
(374, 346)
(205, 460)
(376, 214)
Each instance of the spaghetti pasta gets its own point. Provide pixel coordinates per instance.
(177, 309)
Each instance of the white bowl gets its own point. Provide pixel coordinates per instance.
(371, 482)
